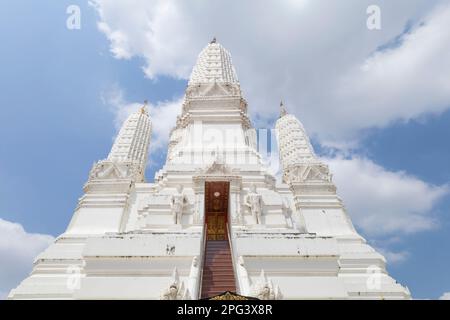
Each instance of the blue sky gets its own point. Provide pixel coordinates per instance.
(59, 116)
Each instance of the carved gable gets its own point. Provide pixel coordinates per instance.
(109, 170)
(218, 168)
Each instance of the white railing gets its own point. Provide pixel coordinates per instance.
(230, 244)
(202, 260)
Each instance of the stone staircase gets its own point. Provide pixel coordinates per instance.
(218, 274)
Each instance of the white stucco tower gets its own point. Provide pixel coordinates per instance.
(215, 218)
(132, 142)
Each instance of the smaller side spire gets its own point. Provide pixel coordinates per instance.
(283, 111)
(132, 141)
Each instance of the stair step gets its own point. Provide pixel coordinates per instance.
(214, 253)
(218, 284)
(219, 276)
(218, 273)
(209, 291)
(219, 289)
(213, 256)
(215, 278)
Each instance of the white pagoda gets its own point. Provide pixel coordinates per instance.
(215, 219)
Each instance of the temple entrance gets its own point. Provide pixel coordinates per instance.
(218, 273)
(216, 209)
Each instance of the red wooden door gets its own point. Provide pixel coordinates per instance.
(216, 209)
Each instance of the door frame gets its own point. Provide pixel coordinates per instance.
(227, 213)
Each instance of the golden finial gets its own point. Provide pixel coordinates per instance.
(283, 111)
(144, 107)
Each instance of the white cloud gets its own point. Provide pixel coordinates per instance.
(382, 202)
(18, 249)
(394, 257)
(155, 30)
(445, 296)
(402, 83)
(317, 55)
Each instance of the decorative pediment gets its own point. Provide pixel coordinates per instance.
(212, 89)
(308, 172)
(316, 173)
(218, 168)
(215, 89)
(110, 170)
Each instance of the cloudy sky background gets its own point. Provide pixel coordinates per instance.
(376, 104)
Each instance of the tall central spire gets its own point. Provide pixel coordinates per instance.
(283, 111)
(214, 64)
(213, 122)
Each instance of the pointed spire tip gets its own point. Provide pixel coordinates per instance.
(144, 107)
(283, 111)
